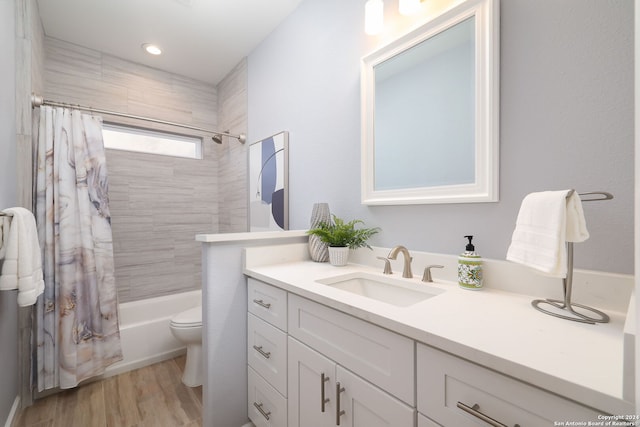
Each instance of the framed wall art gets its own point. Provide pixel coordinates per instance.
(268, 183)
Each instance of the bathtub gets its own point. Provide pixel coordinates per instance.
(144, 330)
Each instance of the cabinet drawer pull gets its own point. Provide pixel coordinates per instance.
(259, 408)
(339, 412)
(475, 411)
(262, 303)
(265, 354)
(323, 400)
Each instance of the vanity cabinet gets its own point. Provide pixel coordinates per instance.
(267, 354)
(299, 350)
(324, 394)
(314, 366)
(456, 392)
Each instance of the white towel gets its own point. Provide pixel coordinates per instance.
(22, 264)
(545, 222)
(5, 223)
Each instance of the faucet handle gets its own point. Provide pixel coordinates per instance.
(426, 277)
(387, 265)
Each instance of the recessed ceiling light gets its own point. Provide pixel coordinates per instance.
(152, 49)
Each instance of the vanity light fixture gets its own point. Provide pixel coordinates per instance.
(408, 7)
(373, 17)
(152, 49)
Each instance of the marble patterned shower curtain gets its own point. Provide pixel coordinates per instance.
(76, 318)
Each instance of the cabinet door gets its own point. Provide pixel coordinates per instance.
(365, 405)
(307, 369)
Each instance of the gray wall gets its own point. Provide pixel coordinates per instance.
(8, 198)
(566, 121)
(232, 156)
(158, 203)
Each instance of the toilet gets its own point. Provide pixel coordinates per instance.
(187, 328)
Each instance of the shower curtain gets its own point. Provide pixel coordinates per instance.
(76, 323)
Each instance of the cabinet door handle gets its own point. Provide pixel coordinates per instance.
(323, 400)
(339, 412)
(265, 354)
(259, 408)
(475, 411)
(262, 303)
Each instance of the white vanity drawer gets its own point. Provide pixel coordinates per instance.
(266, 407)
(267, 302)
(446, 381)
(376, 354)
(267, 352)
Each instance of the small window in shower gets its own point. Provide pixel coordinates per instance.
(118, 137)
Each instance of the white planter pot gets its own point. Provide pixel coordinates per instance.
(338, 256)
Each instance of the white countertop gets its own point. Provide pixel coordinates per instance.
(249, 236)
(494, 328)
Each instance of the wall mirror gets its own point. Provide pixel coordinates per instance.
(430, 111)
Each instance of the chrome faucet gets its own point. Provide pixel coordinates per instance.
(406, 270)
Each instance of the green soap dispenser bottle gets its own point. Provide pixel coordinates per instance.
(470, 268)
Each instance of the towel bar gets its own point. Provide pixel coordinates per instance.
(567, 282)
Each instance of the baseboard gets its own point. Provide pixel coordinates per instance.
(13, 413)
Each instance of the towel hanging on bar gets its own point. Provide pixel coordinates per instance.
(546, 221)
(558, 307)
(22, 264)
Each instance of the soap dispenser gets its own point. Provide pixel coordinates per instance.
(470, 268)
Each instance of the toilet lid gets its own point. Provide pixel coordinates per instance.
(191, 317)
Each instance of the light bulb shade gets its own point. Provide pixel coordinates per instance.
(408, 7)
(373, 16)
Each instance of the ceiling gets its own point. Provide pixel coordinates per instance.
(201, 39)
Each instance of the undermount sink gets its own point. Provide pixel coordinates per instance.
(398, 292)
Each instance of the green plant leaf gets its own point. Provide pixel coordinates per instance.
(340, 233)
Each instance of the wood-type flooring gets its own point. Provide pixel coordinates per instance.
(153, 396)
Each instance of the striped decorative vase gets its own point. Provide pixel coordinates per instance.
(317, 248)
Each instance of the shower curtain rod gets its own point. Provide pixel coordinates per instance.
(38, 101)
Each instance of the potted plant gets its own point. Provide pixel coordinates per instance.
(340, 236)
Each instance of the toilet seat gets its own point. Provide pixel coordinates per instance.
(191, 318)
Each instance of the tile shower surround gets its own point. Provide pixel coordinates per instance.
(159, 203)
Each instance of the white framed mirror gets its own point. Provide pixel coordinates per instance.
(430, 111)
